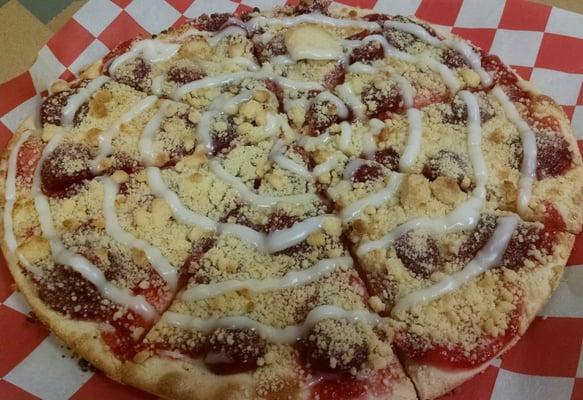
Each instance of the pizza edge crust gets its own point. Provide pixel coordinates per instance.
(82, 337)
(432, 382)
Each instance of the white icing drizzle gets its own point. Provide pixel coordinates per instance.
(313, 18)
(465, 215)
(407, 91)
(78, 263)
(284, 238)
(75, 101)
(341, 109)
(377, 199)
(257, 200)
(529, 150)
(114, 229)
(10, 194)
(488, 257)
(446, 74)
(471, 57)
(157, 83)
(345, 136)
(361, 68)
(414, 29)
(288, 335)
(368, 143)
(106, 137)
(232, 30)
(326, 166)
(358, 108)
(150, 130)
(297, 85)
(413, 140)
(351, 168)
(289, 280)
(244, 61)
(211, 81)
(282, 60)
(152, 50)
(287, 163)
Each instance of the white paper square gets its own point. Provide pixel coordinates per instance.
(480, 14)
(565, 23)
(577, 122)
(561, 86)
(566, 301)
(48, 375)
(210, 6)
(96, 15)
(17, 302)
(397, 7)
(45, 69)
(15, 117)
(263, 4)
(92, 53)
(142, 11)
(510, 385)
(517, 47)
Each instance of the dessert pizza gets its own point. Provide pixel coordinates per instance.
(312, 202)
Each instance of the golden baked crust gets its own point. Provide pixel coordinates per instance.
(291, 128)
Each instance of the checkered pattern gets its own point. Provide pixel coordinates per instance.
(544, 44)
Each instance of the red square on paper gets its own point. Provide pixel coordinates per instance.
(561, 340)
(563, 53)
(443, 12)
(6, 281)
(100, 386)
(69, 42)
(482, 38)
(122, 3)
(19, 335)
(180, 5)
(524, 15)
(524, 72)
(122, 28)
(15, 92)
(478, 388)
(577, 389)
(359, 3)
(576, 257)
(13, 392)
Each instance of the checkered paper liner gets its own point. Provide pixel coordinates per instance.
(542, 43)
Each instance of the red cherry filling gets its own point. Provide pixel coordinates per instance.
(137, 75)
(279, 220)
(223, 141)
(51, 107)
(118, 50)
(525, 241)
(265, 51)
(449, 357)
(184, 75)
(335, 77)
(274, 88)
(367, 172)
(381, 103)
(502, 75)
(28, 157)
(67, 292)
(320, 116)
(476, 239)
(459, 112)
(367, 53)
(553, 156)
(66, 166)
(211, 23)
(453, 59)
(327, 351)
(234, 350)
(360, 35)
(389, 157)
(419, 253)
(446, 163)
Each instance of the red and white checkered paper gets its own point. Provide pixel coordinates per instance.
(542, 43)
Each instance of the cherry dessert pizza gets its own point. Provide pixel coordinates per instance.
(313, 202)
